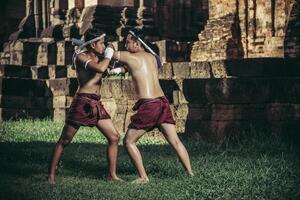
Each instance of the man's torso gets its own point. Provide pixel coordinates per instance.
(89, 81)
(144, 73)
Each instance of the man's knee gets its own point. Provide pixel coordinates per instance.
(114, 139)
(64, 142)
(127, 142)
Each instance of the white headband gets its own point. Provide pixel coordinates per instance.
(84, 44)
(139, 39)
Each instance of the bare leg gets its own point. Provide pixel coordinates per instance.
(130, 140)
(170, 134)
(66, 137)
(107, 128)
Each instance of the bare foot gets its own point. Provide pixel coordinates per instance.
(114, 179)
(191, 174)
(51, 179)
(140, 181)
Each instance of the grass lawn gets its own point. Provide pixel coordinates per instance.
(259, 167)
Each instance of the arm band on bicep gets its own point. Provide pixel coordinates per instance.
(86, 63)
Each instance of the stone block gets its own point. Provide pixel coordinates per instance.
(39, 72)
(116, 89)
(242, 90)
(14, 102)
(106, 89)
(172, 51)
(57, 71)
(218, 69)
(128, 90)
(24, 52)
(16, 58)
(4, 58)
(178, 97)
(23, 87)
(122, 106)
(57, 102)
(110, 106)
(168, 87)
(200, 70)
(181, 70)
(65, 51)
(16, 71)
(118, 121)
(165, 72)
(61, 87)
(181, 111)
(46, 54)
(6, 47)
(71, 72)
(180, 125)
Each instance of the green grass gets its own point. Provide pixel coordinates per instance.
(262, 166)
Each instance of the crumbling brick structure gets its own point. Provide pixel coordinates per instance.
(249, 29)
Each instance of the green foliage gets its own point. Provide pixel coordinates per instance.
(256, 165)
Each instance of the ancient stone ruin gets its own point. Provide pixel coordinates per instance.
(228, 65)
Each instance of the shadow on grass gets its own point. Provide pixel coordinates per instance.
(24, 159)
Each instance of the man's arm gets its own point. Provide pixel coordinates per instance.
(117, 70)
(100, 67)
(123, 56)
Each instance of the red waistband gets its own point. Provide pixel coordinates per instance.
(89, 95)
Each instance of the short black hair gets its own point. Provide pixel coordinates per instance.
(92, 33)
(138, 32)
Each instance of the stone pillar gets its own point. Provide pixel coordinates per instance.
(26, 27)
(37, 12)
(58, 9)
(292, 30)
(45, 15)
(70, 28)
(57, 16)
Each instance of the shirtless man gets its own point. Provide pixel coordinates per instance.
(152, 108)
(86, 108)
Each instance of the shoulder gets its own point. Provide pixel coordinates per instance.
(82, 56)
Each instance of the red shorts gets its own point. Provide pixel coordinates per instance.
(151, 113)
(86, 110)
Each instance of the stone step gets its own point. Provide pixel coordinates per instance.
(219, 130)
(229, 112)
(38, 88)
(242, 90)
(25, 102)
(37, 72)
(28, 52)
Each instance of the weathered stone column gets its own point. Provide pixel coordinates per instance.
(26, 27)
(57, 15)
(292, 30)
(37, 12)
